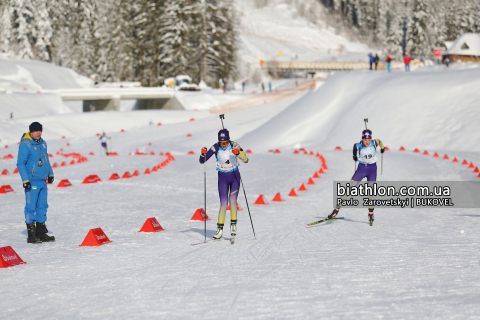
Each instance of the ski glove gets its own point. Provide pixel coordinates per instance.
(204, 150)
(382, 150)
(355, 158)
(27, 185)
(235, 152)
(50, 179)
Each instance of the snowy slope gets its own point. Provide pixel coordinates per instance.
(31, 76)
(411, 264)
(432, 110)
(279, 27)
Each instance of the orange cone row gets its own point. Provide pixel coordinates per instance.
(261, 200)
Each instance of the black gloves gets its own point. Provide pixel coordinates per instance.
(355, 158)
(382, 150)
(50, 179)
(27, 185)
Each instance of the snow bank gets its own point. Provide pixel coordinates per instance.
(25, 75)
(31, 105)
(423, 109)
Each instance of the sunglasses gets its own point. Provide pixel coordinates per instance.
(223, 142)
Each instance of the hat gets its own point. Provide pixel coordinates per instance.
(367, 134)
(35, 126)
(223, 135)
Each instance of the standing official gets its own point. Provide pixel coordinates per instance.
(34, 168)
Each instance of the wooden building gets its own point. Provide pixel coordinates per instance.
(465, 48)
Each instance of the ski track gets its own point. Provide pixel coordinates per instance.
(413, 263)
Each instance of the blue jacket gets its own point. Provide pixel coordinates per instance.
(29, 154)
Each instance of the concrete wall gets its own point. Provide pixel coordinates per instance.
(141, 104)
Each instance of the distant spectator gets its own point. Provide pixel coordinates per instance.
(370, 60)
(447, 62)
(263, 87)
(243, 87)
(270, 86)
(389, 62)
(407, 60)
(92, 108)
(11, 115)
(375, 60)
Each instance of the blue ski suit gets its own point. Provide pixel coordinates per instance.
(31, 154)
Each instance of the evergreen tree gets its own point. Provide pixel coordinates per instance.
(178, 52)
(24, 31)
(419, 44)
(5, 26)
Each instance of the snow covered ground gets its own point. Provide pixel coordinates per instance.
(412, 264)
(279, 27)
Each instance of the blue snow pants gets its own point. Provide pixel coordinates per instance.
(36, 202)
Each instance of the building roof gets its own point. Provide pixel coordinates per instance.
(466, 45)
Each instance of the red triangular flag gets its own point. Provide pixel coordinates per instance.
(9, 258)
(151, 225)
(95, 237)
(114, 176)
(64, 183)
(302, 188)
(261, 200)
(199, 215)
(278, 198)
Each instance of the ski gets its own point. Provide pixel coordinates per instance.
(325, 220)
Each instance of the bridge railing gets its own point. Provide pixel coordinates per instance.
(309, 66)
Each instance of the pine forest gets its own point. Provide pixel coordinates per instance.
(149, 40)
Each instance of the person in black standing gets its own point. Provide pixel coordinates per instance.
(375, 60)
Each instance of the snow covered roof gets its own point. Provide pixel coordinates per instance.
(448, 44)
(467, 45)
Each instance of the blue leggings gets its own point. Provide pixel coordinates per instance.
(228, 187)
(36, 202)
(369, 171)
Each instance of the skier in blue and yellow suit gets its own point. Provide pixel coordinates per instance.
(34, 168)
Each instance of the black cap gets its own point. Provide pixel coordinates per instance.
(35, 126)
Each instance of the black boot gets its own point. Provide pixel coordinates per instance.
(32, 234)
(334, 213)
(42, 233)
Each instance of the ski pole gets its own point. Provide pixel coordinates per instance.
(205, 193)
(222, 116)
(246, 200)
(381, 172)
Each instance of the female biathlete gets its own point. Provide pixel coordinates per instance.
(367, 164)
(226, 152)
